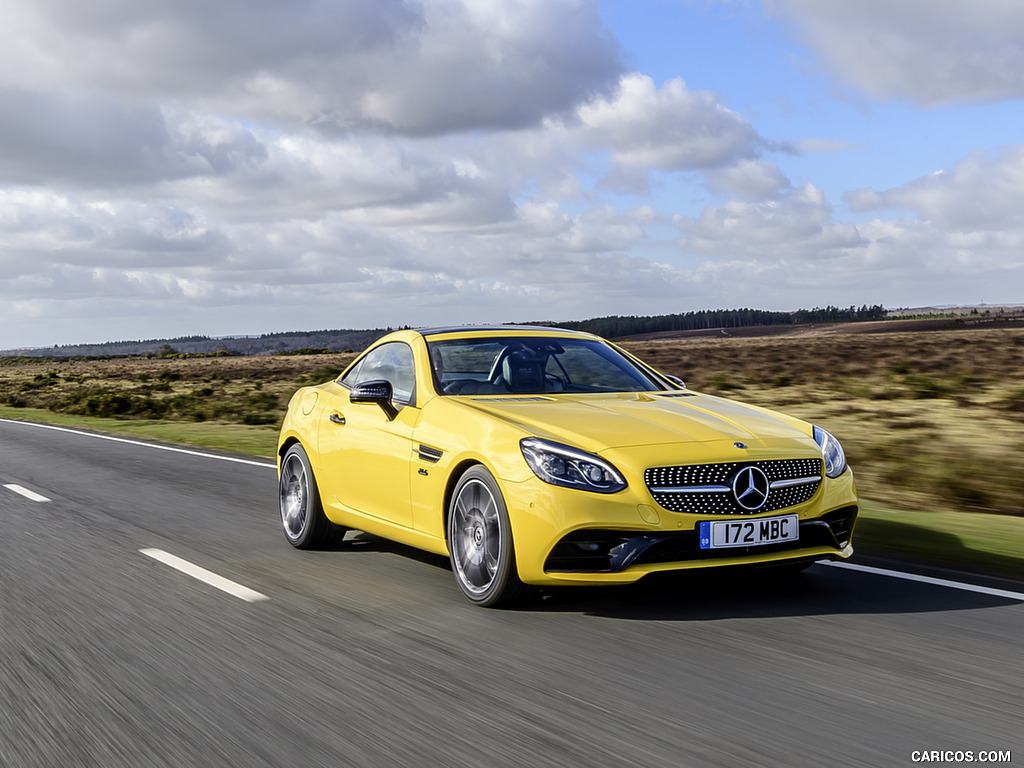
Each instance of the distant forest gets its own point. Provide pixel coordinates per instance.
(266, 344)
(616, 327)
(613, 327)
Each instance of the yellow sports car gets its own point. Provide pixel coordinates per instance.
(539, 456)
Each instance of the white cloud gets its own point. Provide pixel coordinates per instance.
(861, 200)
(796, 225)
(415, 67)
(749, 180)
(929, 51)
(82, 141)
(669, 128)
(980, 193)
(40, 228)
(964, 240)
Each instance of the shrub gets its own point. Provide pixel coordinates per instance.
(924, 387)
(1014, 401)
(108, 404)
(320, 375)
(303, 351)
(720, 381)
(259, 419)
(112, 405)
(966, 485)
(147, 407)
(40, 381)
(261, 401)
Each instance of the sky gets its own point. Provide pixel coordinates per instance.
(180, 167)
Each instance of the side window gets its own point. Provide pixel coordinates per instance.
(392, 362)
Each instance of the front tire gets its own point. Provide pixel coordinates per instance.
(480, 541)
(302, 513)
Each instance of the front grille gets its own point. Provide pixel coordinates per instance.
(707, 489)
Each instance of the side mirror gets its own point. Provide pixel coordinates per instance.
(676, 380)
(378, 391)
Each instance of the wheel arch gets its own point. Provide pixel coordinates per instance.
(287, 443)
(449, 489)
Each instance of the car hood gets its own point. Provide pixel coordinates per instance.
(597, 422)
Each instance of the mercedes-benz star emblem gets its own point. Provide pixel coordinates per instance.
(750, 487)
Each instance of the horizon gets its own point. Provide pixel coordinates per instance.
(199, 337)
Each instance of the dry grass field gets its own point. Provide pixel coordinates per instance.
(245, 390)
(932, 421)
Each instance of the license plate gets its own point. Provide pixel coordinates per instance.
(721, 534)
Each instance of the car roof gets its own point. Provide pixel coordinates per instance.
(473, 329)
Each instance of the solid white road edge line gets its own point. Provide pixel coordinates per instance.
(140, 443)
(928, 580)
(205, 576)
(21, 490)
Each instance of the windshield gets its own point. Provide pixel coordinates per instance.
(533, 366)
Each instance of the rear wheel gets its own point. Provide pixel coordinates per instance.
(302, 513)
(480, 541)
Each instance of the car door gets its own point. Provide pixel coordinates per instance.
(366, 449)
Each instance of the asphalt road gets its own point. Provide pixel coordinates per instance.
(369, 656)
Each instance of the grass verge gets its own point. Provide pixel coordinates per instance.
(232, 438)
(973, 542)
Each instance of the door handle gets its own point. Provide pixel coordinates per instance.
(337, 418)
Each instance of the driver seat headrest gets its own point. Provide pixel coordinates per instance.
(523, 372)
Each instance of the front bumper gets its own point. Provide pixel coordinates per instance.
(590, 551)
(564, 536)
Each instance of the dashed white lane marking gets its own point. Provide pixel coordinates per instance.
(155, 446)
(22, 491)
(962, 586)
(205, 576)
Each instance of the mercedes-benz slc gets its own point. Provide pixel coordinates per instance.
(537, 456)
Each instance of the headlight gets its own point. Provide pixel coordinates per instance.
(570, 467)
(835, 459)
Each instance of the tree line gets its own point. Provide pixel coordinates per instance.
(618, 326)
(614, 327)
